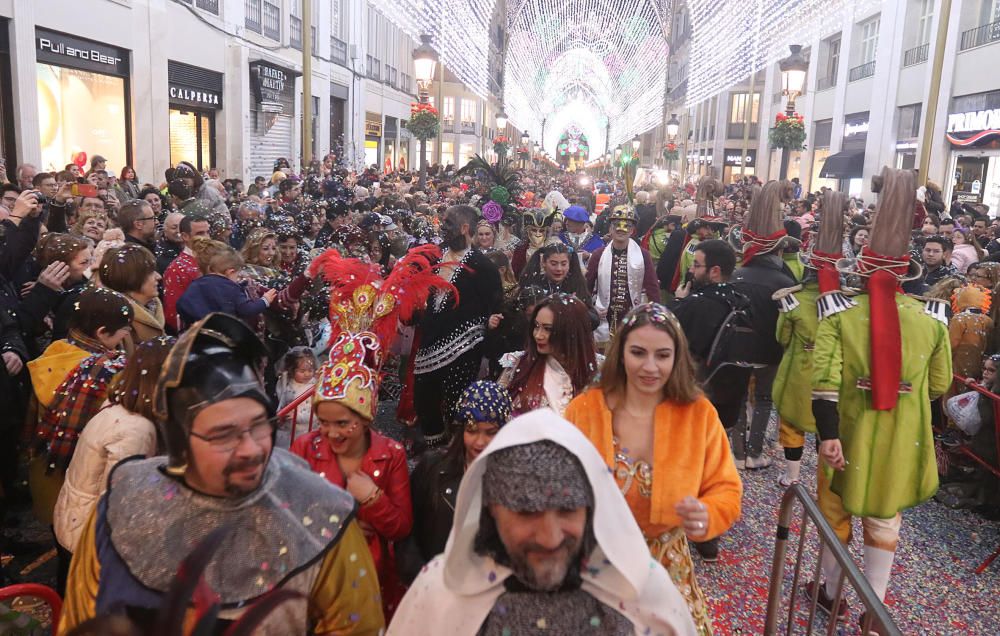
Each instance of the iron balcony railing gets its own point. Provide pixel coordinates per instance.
(295, 32)
(981, 35)
(338, 51)
(271, 22)
(916, 55)
(861, 72)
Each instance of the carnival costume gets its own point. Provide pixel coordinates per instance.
(540, 462)
(584, 242)
(451, 333)
(537, 226)
(872, 394)
(624, 278)
(364, 313)
(800, 309)
(294, 531)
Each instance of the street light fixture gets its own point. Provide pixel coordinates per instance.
(501, 122)
(425, 60)
(636, 142)
(793, 79)
(793, 75)
(673, 127)
(525, 138)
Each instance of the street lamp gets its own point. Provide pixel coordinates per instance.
(636, 142)
(673, 127)
(501, 122)
(793, 75)
(425, 60)
(793, 79)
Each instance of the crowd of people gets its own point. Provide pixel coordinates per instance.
(582, 366)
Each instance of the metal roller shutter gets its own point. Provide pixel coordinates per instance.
(266, 147)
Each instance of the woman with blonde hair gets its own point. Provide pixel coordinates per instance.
(90, 224)
(664, 443)
(263, 262)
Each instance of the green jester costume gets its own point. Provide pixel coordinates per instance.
(876, 367)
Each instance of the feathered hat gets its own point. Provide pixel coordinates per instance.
(364, 310)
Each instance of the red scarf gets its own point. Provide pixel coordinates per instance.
(756, 244)
(887, 348)
(826, 271)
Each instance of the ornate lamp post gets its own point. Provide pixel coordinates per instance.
(673, 127)
(793, 79)
(425, 61)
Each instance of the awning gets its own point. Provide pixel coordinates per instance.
(848, 164)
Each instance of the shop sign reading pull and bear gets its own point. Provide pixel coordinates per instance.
(65, 50)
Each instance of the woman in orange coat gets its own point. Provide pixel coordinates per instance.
(665, 444)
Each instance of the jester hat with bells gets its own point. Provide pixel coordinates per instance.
(762, 231)
(364, 311)
(885, 263)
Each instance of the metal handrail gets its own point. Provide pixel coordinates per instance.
(828, 540)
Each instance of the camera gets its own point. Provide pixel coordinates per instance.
(40, 198)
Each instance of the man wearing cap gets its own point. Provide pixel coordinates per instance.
(578, 236)
(542, 540)
(289, 528)
(621, 274)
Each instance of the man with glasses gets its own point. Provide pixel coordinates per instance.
(137, 220)
(286, 526)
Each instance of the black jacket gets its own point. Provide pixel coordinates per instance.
(701, 315)
(434, 490)
(758, 281)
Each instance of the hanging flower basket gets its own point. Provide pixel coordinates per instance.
(788, 133)
(670, 152)
(501, 144)
(424, 123)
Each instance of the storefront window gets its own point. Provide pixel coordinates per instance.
(819, 157)
(191, 138)
(81, 111)
(371, 153)
(468, 151)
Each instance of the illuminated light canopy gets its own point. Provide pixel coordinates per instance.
(585, 63)
(459, 30)
(730, 39)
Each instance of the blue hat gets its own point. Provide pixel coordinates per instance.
(576, 213)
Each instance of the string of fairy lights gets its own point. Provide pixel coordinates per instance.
(730, 39)
(586, 63)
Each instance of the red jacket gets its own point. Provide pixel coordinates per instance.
(178, 275)
(391, 514)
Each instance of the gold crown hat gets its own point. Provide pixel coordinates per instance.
(364, 311)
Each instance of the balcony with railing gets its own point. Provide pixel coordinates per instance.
(211, 6)
(826, 83)
(338, 51)
(916, 55)
(468, 127)
(861, 72)
(981, 35)
(295, 32)
(271, 22)
(736, 130)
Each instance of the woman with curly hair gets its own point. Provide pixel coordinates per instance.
(558, 361)
(90, 224)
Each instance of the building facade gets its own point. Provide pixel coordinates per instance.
(865, 103)
(215, 82)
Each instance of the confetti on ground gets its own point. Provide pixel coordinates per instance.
(933, 589)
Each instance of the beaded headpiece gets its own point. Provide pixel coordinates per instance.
(655, 312)
(364, 310)
(483, 401)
